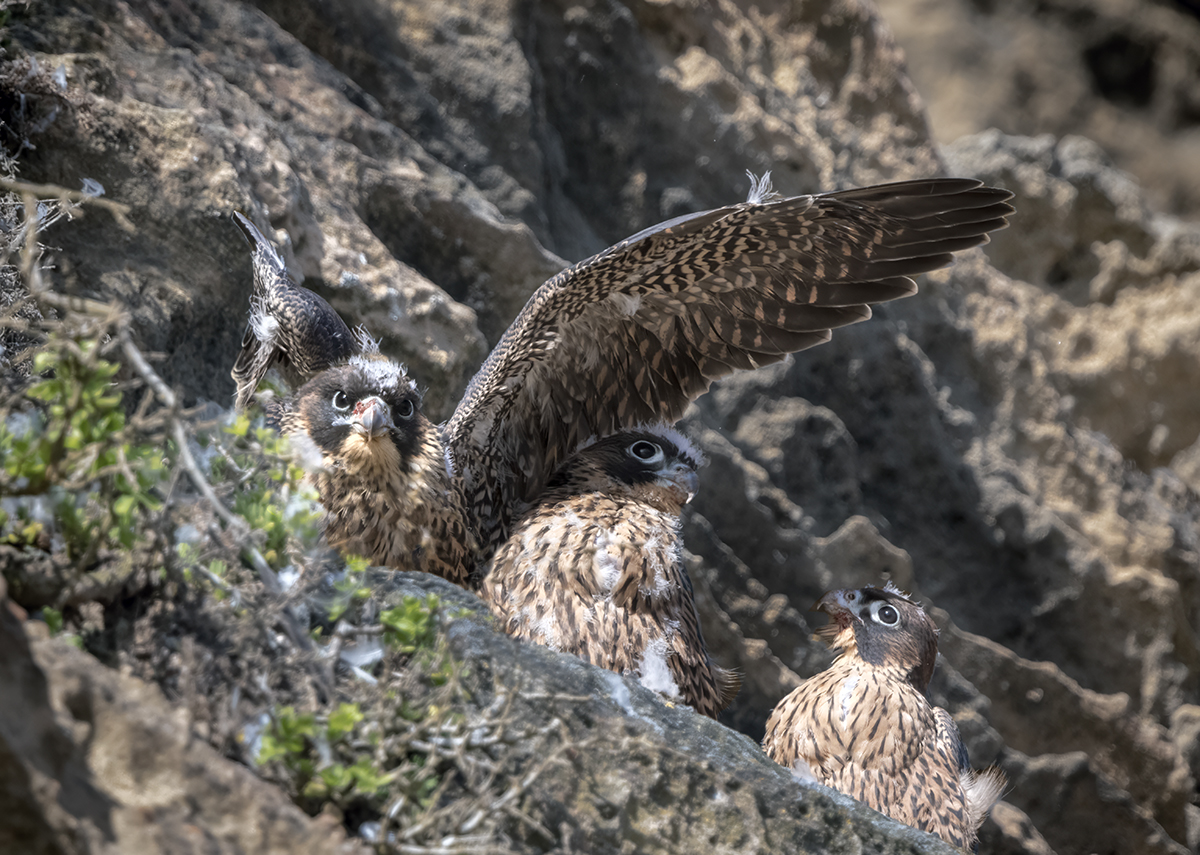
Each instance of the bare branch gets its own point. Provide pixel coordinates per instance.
(29, 190)
(238, 525)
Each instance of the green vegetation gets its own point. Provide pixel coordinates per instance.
(409, 626)
(267, 483)
(298, 741)
(77, 450)
(121, 527)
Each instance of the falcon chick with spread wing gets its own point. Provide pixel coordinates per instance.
(629, 337)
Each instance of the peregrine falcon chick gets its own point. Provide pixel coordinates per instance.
(290, 327)
(632, 335)
(865, 728)
(378, 466)
(595, 568)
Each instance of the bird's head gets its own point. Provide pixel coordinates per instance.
(655, 463)
(361, 415)
(883, 627)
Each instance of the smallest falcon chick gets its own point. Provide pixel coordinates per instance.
(378, 465)
(595, 568)
(290, 327)
(864, 727)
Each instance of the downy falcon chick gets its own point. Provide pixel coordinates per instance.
(864, 727)
(378, 465)
(356, 425)
(595, 568)
(633, 334)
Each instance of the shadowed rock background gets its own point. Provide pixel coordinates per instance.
(1019, 444)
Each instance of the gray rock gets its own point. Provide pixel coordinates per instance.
(1120, 72)
(998, 445)
(97, 762)
(642, 771)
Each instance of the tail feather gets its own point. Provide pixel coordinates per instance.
(729, 683)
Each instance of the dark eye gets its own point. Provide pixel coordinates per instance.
(886, 615)
(406, 409)
(341, 401)
(647, 452)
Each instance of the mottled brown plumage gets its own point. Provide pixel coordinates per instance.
(595, 568)
(633, 334)
(377, 464)
(290, 327)
(865, 728)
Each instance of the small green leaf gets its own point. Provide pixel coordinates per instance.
(124, 505)
(343, 719)
(53, 619)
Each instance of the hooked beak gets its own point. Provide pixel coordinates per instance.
(371, 418)
(839, 606)
(683, 478)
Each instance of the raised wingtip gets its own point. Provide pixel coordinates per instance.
(249, 231)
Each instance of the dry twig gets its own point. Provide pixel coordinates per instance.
(28, 190)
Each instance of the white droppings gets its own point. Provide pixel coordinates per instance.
(363, 675)
(187, 533)
(365, 653)
(288, 577)
(619, 692)
(252, 735)
(802, 772)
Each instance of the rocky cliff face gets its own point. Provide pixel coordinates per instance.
(1121, 72)
(1019, 443)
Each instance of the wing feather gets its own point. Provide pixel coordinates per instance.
(290, 326)
(636, 332)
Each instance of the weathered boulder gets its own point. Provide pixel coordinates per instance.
(97, 762)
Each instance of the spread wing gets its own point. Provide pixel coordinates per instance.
(289, 326)
(633, 334)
